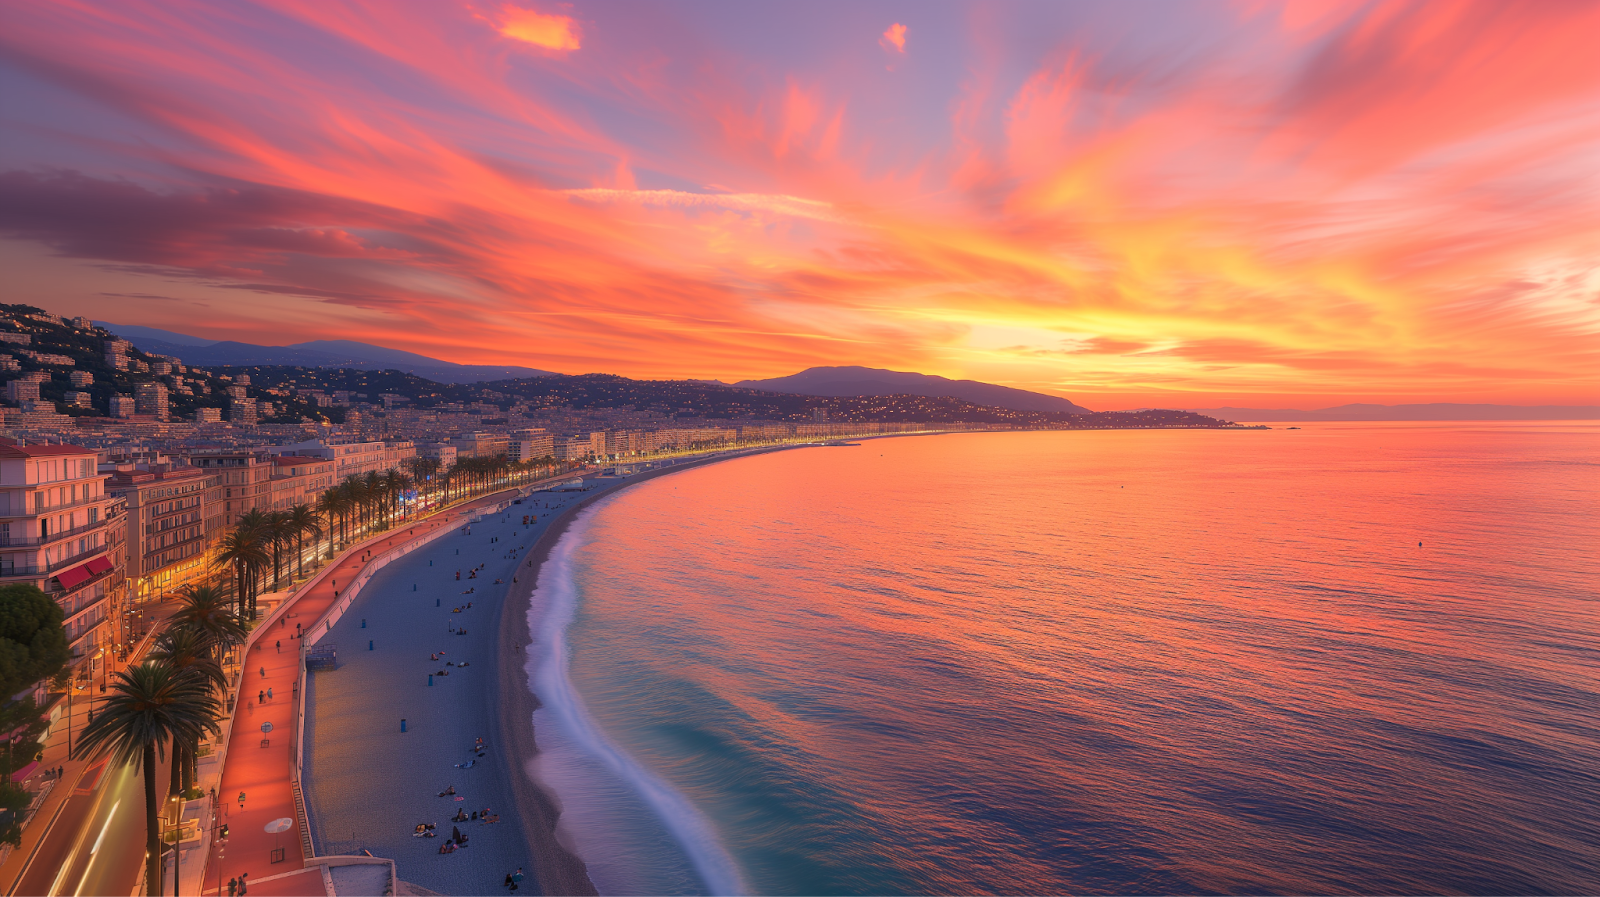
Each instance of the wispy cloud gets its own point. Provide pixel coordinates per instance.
(790, 206)
(1368, 201)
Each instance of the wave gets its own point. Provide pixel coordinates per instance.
(603, 791)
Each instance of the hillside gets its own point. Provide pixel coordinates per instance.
(313, 354)
(861, 381)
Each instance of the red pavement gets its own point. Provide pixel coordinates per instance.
(259, 765)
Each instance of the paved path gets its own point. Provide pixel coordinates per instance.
(256, 777)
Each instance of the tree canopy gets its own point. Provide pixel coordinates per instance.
(33, 645)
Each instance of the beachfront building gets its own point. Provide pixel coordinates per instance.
(244, 481)
(55, 513)
(299, 480)
(530, 444)
(481, 445)
(352, 458)
(167, 525)
(443, 452)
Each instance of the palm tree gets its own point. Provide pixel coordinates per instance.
(204, 608)
(376, 496)
(188, 651)
(242, 548)
(279, 531)
(328, 505)
(305, 522)
(150, 705)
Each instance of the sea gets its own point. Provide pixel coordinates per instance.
(1340, 659)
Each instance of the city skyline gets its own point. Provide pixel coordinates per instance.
(1270, 205)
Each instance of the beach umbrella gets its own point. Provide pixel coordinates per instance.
(277, 827)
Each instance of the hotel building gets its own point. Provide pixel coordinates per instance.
(166, 526)
(56, 519)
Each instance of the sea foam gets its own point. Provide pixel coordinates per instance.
(634, 832)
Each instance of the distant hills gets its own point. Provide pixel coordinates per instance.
(861, 381)
(314, 354)
(1432, 411)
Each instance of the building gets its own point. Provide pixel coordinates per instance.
(151, 399)
(81, 379)
(166, 526)
(443, 451)
(208, 415)
(244, 482)
(55, 514)
(24, 390)
(297, 480)
(123, 406)
(352, 458)
(242, 411)
(481, 445)
(530, 445)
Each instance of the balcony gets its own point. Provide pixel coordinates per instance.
(14, 541)
(19, 570)
(50, 509)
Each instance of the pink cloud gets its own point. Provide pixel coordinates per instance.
(894, 38)
(547, 30)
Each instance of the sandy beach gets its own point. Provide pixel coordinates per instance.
(368, 784)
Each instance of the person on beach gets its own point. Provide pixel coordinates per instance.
(280, 646)
(261, 697)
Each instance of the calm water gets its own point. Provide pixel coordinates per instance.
(1116, 662)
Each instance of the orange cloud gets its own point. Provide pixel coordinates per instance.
(894, 38)
(553, 32)
(1340, 217)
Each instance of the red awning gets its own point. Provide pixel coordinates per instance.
(71, 579)
(99, 565)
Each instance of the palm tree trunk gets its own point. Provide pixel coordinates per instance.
(175, 783)
(152, 825)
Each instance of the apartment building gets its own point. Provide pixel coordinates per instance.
(300, 480)
(352, 458)
(166, 525)
(151, 398)
(481, 445)
(55, 514)
(244, 482)
(530, 445)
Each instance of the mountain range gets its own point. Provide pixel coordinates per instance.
(860, 381)
(322, 353)
(1432, 411)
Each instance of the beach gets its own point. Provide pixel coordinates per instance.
(368, 783)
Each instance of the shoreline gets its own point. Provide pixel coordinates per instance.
(557, 869)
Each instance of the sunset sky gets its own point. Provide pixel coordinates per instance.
(1184, 205)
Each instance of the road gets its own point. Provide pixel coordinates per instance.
(107, 852)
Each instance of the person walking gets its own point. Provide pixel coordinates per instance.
(233, 885)
(508, 882)
(244, 880)
(269, 694)
(280, 646)
(516, 879)
(261, 697)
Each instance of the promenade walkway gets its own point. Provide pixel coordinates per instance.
(257, 785)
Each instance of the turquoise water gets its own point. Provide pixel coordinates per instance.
(1117, 662)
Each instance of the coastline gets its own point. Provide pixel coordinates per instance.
(557, 869)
